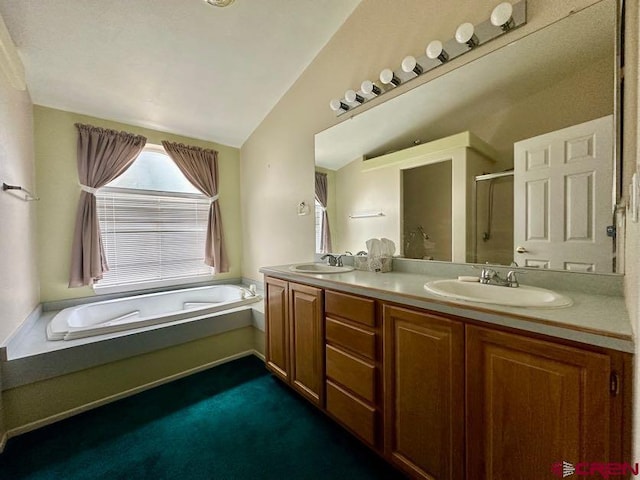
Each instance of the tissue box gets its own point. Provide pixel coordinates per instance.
(378, 264)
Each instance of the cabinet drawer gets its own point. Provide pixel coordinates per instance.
(355, 414)
(357, 309)
(354, 338)
(351, 372)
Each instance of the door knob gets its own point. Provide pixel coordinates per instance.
(521, 250)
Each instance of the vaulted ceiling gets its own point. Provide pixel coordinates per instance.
(177, 65)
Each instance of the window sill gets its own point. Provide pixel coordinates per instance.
(130, 287)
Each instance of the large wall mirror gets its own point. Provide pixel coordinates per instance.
(509, 158)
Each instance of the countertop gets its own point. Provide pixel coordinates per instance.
(600, 320)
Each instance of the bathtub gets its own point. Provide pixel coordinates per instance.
(123, 314)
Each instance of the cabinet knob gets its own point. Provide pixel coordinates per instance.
(521, 250)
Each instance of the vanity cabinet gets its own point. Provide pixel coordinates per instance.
(352, 348)
(294, 336)
(444, 397)
(533, 403)
(424, 389)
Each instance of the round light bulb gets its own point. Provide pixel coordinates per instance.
(409, 63)
(502, 16)
(465, 32)
(336, 105)
(369, 88)
(434, 49)
(388, 77)
(351, 96)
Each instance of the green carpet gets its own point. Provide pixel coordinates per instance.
(231, 422)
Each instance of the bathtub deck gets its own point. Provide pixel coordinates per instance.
(30, 357)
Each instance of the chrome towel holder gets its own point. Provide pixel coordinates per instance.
(28, 197)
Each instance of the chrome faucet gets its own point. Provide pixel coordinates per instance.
(333, 260)
(488, 276)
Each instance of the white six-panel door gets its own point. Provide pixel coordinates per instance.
(562, 198)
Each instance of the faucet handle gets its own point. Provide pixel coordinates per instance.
(512, 278)
(339, 260)
(331, 259)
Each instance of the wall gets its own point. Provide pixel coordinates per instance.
(18, 247)
(360, 191)
(55, 150)
(277, 160)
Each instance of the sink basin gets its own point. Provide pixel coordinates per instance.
(522, 296)
(318, 268)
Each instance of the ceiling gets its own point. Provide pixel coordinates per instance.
(174, 65)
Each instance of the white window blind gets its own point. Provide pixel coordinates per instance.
(152, 236)
(318, 215)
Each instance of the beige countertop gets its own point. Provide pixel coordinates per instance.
(600, 320)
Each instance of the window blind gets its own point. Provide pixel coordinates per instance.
(150, 237)
(318, 215)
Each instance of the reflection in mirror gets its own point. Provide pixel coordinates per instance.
(509, 158)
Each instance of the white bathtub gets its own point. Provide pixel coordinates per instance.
(128, 313)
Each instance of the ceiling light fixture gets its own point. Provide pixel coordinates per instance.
(220, 3)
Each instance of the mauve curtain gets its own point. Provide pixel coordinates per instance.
(321, 197)
(200, 166)
(102, 156)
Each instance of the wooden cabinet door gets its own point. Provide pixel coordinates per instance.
(424, 393)
(532, 404)
(306, 345)
(277, 327)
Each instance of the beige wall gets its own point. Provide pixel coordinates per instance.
(55, 150)
(18, 247)
(277, 160)
(357, 192)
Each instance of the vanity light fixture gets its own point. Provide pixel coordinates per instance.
(409, 64)
(370, 88)
(466, 34)
(387, 77)
(506, 16)
(436, 51)
(337, 106)
(502, 16)
(220, 3)
(351, 96)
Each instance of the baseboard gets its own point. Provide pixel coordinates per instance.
(127, 393)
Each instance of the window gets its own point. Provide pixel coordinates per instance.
(318, 214)
(153, 226)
